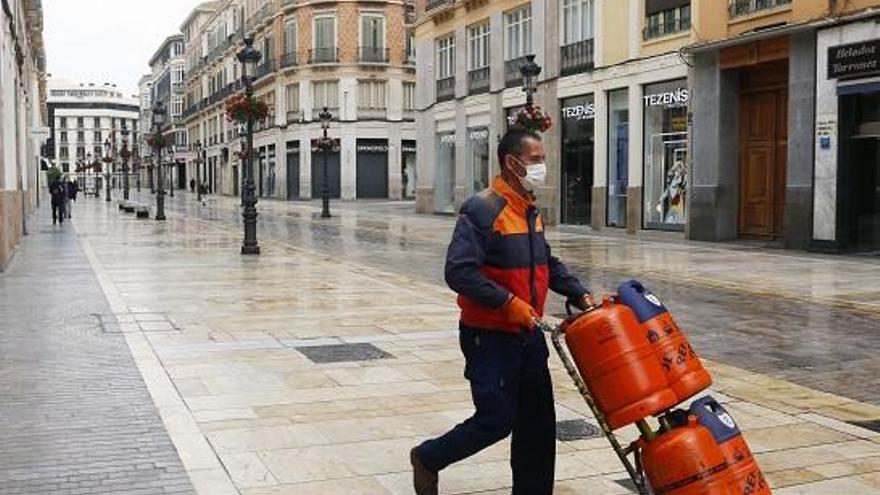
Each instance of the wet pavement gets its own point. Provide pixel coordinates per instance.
(313, 368)
(811, 319)
(75, 415)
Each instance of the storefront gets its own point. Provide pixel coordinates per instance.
(408, 169)
(478, 158)
(372, 169)
(846, 213)
(331, 161)
(665, 150)
(618, 157)
(293, 169)
(578, 117)
(444, 180)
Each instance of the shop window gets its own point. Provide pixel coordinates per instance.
(578, 134)
(478, 142)
(618, 157)
(665, 147)
(444, 187)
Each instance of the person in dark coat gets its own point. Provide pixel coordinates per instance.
(59, 195)
(192, 186)
(70, 190)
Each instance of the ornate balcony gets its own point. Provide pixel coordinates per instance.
(374, 54)
(745, 7)
(324, 55)
(446, 88)
(478, 81)
(288, 60)
(265, 68)
(577, 57)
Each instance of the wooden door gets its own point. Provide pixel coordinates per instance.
(763, 159)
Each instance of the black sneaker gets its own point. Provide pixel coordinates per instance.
(425, 481)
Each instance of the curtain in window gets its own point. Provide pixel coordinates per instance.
(290, 37)
(372, 28)
(325, 35)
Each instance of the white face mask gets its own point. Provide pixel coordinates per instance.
(536, 174)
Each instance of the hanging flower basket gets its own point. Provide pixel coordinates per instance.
(154, 140)
(125, 154)
(533, 119)
(107, 159)
(241, 108)
(96, 166)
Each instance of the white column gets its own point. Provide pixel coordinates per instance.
(348, 162)
(394, 156)
(636, 115)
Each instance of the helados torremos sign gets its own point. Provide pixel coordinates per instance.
(854, 59)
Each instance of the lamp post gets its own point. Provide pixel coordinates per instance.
(158, 123)
(171, 169)
(198, 162)
(108, 157)
(326, 146)
(530, 72)
(249, 58)
(137, 167)
(125, 156)
(87, 166)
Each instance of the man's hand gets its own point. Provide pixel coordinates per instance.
(521, 313)
(587, 301)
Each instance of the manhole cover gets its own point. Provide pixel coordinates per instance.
(576, 429)
(342, 353)
(627, 483)
(873, 424)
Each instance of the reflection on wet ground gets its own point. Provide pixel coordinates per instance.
(811, 332)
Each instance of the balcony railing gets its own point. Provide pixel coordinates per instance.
(294, 116)
(374, 54)
(478, 81)
(178, 87)
(324, 55)
(433, 4)
(446, 88)
(264, 69)
(259, 16)
(513, 72)
(664, 28)
(576, 57)
(746, 7)
(288, 60)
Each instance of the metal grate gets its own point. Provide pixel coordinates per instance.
(342, 353)
(576, 429)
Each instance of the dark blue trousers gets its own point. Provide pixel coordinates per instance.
(513, 395)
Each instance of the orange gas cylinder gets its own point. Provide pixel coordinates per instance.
(746, 477)
(684, 371)
(685, 460)
(618, 365)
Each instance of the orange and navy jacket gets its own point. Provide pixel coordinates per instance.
(498, 250)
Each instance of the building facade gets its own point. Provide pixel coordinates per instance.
(168, 87)
(22, 117)
(669, 115)
(86, 122)
(353, 58)
(143, 154)
(612, 80)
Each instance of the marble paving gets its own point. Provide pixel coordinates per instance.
(218, 339)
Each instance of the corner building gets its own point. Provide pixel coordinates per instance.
(354, 58)
(613, 80)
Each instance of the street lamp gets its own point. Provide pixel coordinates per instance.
(530, 72)
(108, 160)
(158, 123)
(326, 146)
(137, 167)
(171, 169)
(198, 162)
(125, 156)
(249, 58)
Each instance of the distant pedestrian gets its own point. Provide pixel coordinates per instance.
(59, 196)
(70, 190)
(192, 186)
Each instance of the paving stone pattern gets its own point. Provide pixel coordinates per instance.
(75, 415)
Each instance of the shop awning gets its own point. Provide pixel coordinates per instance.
(855, 89)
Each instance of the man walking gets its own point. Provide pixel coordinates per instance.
(59, 196)
(70, 190)
(501, 267)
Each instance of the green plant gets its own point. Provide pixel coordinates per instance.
(53, 174)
